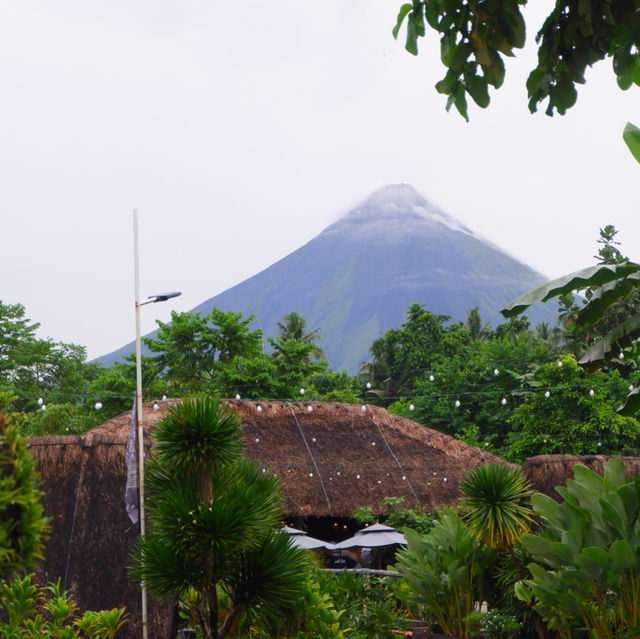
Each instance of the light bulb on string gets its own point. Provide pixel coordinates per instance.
(412, 407)
(503, 401)
(404, 478)
(431, 378)
(621, 356)
(599, 443)
(259, 408)
(302, 391)
(363, 408)
(257, 440)
(311, 474)
(155, 405)
(496, 371)
(98, 405)
(313, 439)
(591, 392)
(164, 398)
(40, 401)
(559, 363)
(43, 407)
(457, 403)
(368, 385)
(309, 409)
(237, 395)
(547, 394)
(630, 387)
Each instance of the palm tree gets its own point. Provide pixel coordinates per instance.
(478, 330)
(294, 326)
(214, 524)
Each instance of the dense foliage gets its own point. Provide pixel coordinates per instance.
(214, 525)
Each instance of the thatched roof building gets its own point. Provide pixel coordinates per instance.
(548, 471)
(333, 457)
(330, 459)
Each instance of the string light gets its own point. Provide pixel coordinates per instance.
(412, 407)
(309, 409)
(40, 401)
(302, 391)
(503, 401)
(431, 378)
(559, 363)
(363, 409)
(257, 440)
(368, 385)
(457, 403)
(358, 476)
(621, 356)
(259, 408)
(237, 395)
(496, 371)
(98, 405)
(164, 398)
(547, 394)
(43, 407)
(155, 405)
(592, 392)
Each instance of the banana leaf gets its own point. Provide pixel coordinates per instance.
(591, 277)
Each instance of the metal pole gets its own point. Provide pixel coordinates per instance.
(139, 411)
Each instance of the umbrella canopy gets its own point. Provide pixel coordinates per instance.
(374, 536)
(300, 539)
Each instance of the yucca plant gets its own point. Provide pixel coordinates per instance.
(214, 524)
(496, 501)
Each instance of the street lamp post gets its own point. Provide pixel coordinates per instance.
(150, 300)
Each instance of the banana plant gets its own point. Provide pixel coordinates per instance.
(586, 568)
(444, 572)
(610, 283)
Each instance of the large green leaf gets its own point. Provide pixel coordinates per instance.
(631, 404)
(553, 553)
(622, 556)
(605, 297)
(611, 344)
(631, 136)
(591, 277)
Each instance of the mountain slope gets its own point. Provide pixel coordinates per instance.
(356, 279)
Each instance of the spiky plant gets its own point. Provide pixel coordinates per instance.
(214, 523)
(22, 524)
(496, 500)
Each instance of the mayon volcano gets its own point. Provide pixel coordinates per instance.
(357, 278)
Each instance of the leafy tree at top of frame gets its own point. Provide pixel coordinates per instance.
(477, 35)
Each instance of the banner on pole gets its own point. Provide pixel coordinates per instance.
(131, 490)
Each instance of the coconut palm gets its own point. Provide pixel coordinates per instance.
(294, 326)
(214, 523)
(496, 499)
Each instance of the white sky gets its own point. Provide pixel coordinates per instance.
(239, 130)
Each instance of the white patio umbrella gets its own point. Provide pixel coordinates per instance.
(300, 539)
(374, 536)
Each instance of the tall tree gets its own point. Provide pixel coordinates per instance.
(214, 523)
(294, 326)
(193, 352)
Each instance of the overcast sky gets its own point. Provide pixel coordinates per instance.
(241, 130)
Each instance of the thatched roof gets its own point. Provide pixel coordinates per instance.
(83, 478)
(548, 471)
(336, 457)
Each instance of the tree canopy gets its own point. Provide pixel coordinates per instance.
(477, 35)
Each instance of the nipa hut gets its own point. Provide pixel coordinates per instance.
(330, 458)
